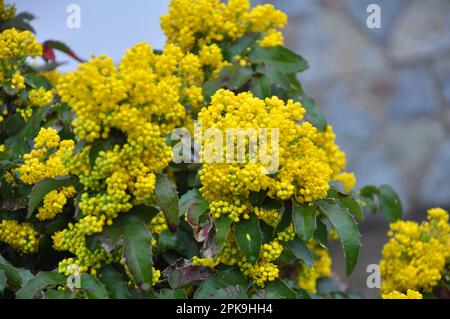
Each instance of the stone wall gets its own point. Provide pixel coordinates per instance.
(387, 94)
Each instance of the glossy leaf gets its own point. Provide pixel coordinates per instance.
(347, 230)
(249, 238)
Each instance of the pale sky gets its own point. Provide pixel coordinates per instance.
(107, 26)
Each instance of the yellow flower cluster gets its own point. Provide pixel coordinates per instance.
(307, 276)
(73, 239)
(194, 24)
(157, 225)
(54, 202)
(17, 45)
(47, 157)
(40, 97)
(263, 270)
(416, 255)
(18, 81)
(347, 179)
(269, 216)
(22, 237)
(410, 294)
(308, 159)
(7, 12)
(133, 105)
(142, 99)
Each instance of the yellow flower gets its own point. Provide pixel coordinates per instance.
(16, 44)
(40, 97)
(7, 12)
(416, 255)
(22, 237)
(306, 157)
(47, 158)
(193, 24)
(410, 294)
(54, 202)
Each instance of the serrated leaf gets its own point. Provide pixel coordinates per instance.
(346, 227)
(276, 290)
(93, 287)
(260, 86)
(248, 237)
(137, 252)
(167, 198)
(347, 201)
(39, 282)
(283, 59)
(43, 187)
(114, 282)
(304, 219)
(225, 284)
(302, 252)
(240, 77)
(240, 46)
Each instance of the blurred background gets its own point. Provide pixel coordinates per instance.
(386, 91)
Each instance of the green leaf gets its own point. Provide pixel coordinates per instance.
(114, 282)
(41, 281)
(302, 252)
(43, 187)
(137, 252)
(20, 143)
(172, 294)
(2, 281)
(225, 284)
(239, 78)
(347, 201)
(390, 204)
(321, 234)
(167, 241)
(21, 22)
(347, 230)
(304, 219)
(313, 113)
(59, 294)
(36, 81)
(249, 238)
(167, 197)
(93, 287)
(276, 290)
(260, 86)
(240, 46)
(222, 225)
(283, 59)
(16, 277)
(277, 78)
